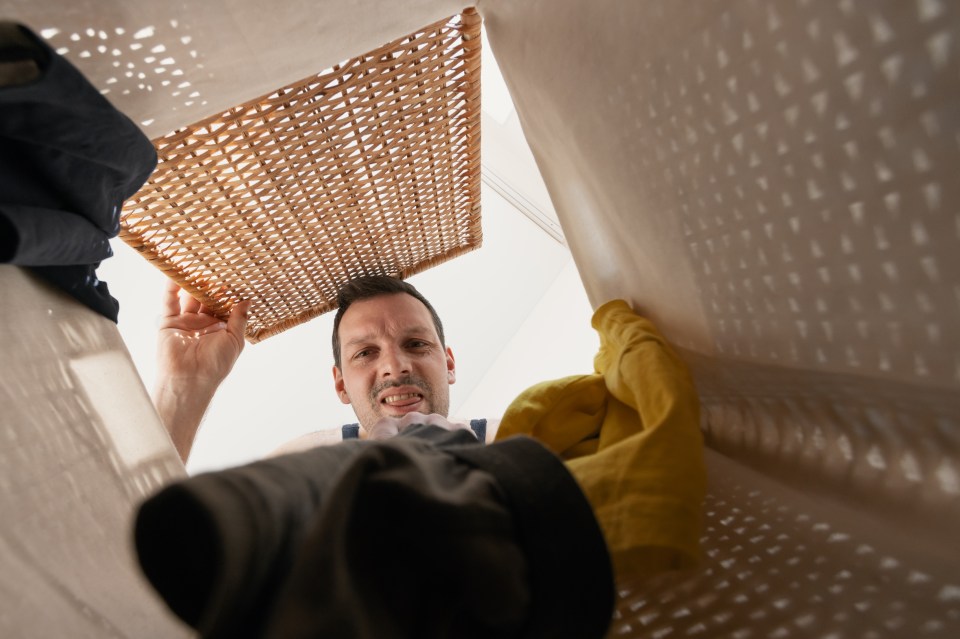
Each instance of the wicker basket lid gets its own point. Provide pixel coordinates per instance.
(371, 167)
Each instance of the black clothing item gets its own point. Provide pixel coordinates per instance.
(68, 159)
(478, 426)
(425, 535)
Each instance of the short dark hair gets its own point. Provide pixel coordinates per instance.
(369, 286)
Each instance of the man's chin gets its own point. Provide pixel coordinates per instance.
(422, 406)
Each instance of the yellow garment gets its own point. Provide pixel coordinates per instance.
(630, 434)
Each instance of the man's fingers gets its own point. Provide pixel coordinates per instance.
(192, 323)
(385, 428)
(189, 305)
(432, 419)
(176, 304)
(237, 323)
(171, 299)
(185, 312)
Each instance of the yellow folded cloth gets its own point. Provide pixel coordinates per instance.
(630, 434)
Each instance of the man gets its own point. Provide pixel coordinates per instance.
(391, 361)
(428, 534)
(627, 432)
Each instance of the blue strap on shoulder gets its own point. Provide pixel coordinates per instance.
(478, 426)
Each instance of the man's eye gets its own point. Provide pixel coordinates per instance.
(417, 343)
(361, 354)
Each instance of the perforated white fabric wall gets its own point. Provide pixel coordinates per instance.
(168, 65)
(775, 184)
(780, 564)
(71, 472)
(80, 447)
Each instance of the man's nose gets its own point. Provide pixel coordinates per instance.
(394, 362)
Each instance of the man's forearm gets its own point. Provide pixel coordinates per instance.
(181, 407)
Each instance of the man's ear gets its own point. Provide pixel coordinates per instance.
(451, 367)
(339, 387)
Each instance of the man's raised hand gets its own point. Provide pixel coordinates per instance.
(195, 352)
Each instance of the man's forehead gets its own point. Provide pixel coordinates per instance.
(393, 311)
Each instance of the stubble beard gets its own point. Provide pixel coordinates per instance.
(433, 402)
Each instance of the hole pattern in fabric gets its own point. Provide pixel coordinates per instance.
(777, 566)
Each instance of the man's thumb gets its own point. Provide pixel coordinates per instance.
(237, 323)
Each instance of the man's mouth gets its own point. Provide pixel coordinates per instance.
(401, 399)
(401, 396)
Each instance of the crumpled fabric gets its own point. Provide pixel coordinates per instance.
(630, 435)
(68, 160)
(426, 535)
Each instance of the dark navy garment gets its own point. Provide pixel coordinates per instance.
(478, 426)
(68, 160)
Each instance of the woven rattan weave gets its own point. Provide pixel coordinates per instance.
(371, 167)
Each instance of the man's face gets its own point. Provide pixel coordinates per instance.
(392, 362)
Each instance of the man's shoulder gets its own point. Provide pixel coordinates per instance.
(310, 440)
(332, 436)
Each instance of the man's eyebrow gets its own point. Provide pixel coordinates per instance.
(359, 340)
(371, 337)
(418, 330)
